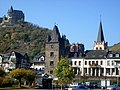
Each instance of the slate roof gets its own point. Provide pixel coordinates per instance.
(54, 36)
(101, 54)
(36, 58)
(100, 37)
(114, 53)
(95, 54)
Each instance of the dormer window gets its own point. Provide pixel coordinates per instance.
(12, 54)
(110, 55)
(117, 55)
(42, 58)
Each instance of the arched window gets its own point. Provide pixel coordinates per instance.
(96, 48)
(100, 48)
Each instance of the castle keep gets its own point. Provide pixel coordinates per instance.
(13, 17)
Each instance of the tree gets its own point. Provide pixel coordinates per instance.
(29, 76)
(64, 72)
(2, 72)
(17, 74)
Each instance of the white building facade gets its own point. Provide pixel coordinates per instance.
(106, 66)
(97, 62)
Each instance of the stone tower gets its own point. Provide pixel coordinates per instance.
(100, 44)
(52, 51)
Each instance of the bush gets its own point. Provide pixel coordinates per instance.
(1, 80)
(5, 82)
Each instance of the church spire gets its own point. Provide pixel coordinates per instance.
(100, 37)
(100, 44)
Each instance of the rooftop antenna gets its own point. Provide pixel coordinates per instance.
(100, 17)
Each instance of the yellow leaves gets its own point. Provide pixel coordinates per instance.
(17, 73)
(28, 75)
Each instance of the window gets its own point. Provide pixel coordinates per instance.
(110, 55)
(96, 62)
(85, 62)
(12, 65)
(13, 60)
(117, 55)
(89, 62)
(79, 62)
(42, 58)
(52, 46)
(112, 63)
(101, 62)
(51, 71)
(108, 63)
(75, 63)
(85, 69)
(93, 62)
(51, 63)
(51, 54)
(96, 48)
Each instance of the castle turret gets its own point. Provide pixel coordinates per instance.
(10, 10)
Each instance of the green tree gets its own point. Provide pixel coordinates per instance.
(2, 72)
(29, 76)
(17, 74)
(64, 72)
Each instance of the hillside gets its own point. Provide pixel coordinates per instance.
(26, 37)
(115, 47)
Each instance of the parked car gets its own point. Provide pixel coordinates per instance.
(38, 86)
(81, 87)
(93, 84)
(74, 84)
(113, 87)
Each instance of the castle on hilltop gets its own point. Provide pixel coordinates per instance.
(13, 17)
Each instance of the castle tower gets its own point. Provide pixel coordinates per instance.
(52, 51)
(15, 16)
(10, 11)
(100, 44)
(10, 14)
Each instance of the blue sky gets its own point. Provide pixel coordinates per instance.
(77, 19)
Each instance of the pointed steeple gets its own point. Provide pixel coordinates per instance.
(100, 37)
(56, 34)
(55, 30)
(100, 44)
